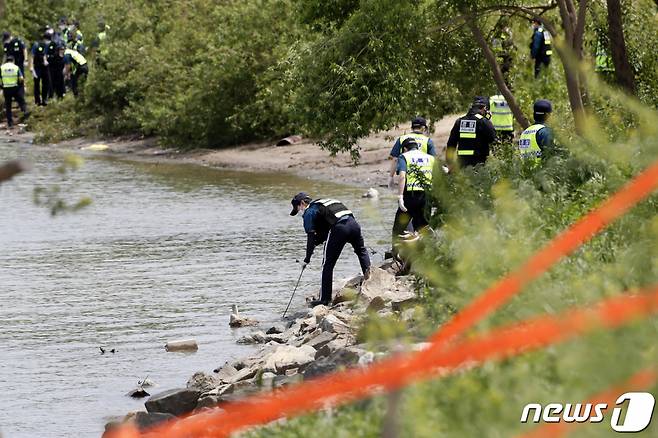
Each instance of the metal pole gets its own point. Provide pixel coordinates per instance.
(293, 292)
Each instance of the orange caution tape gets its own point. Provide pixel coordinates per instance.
(398, 371)
(640, 380)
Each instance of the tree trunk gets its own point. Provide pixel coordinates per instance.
(570, 60)
(497, 74)
(623, 70)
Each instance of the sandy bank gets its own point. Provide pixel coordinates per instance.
(304, 159)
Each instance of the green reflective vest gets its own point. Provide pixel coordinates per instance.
(603, 61)
(77, 57)
(421, 139)
(528, 147)
(501, 114)
(419, 170)
(10, 75)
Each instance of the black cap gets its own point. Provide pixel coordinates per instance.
(299, 197)
(409, 143)
(542, 106)
(419, 121)
(480, 102)
(5, 35)
(10, 58)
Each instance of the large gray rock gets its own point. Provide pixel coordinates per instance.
(243, 374)
(226, 372)
(203, 382)
(321, 340)
(331, 347)
(384, 285)
(146, 420)
(287, 357)
(344, 358)
(175, 401)
(253, 338)
(331, 323)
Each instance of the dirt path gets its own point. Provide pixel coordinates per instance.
(304, 159)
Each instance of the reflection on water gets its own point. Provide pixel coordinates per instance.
(161, 254)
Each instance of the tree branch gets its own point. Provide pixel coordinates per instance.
(497, 74)
(580, 29)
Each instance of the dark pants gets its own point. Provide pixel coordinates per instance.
(78, 77)
(415, 201)
(11, 94)
(539, 62)
(57, 80)
(41, 85)
(345, 231)
(471, 160)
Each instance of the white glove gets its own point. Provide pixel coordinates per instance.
(445, 169)
(304, 265)
(391, 182)
(34, 74)
(401, 203)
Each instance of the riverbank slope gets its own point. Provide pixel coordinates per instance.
(304, 158)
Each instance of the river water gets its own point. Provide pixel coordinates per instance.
(161, 254)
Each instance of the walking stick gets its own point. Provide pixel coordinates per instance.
(294, 290)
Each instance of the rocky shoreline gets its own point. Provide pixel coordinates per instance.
(308, 344)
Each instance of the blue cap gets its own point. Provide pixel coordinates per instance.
(419, 121)
(542, 106)
(299, 197)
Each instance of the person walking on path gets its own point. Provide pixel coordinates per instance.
(328, 220)
(419, 133)
(471, 136)
(536, 142)
(415, 169)
(541, 46)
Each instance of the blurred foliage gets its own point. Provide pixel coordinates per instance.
(53, 196)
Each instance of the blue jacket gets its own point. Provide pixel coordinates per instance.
(537, 44)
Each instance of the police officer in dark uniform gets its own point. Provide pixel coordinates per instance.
(471, 136)
(55, 58)
(328, 220)
(15, 47)
(541, 46)
(40, 70)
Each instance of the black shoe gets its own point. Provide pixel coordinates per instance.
(319, 303)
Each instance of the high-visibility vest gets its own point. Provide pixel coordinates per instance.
(419, 170)
(548, 41)
(528, 147)
(467, 130)
(77, 57)
(10, 75)
(603, 61)
(421, 139)
(501, 114)
(332, 210)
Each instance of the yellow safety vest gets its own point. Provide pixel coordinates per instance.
(77, 57)
(603, 61)
(548, 41)
(421, 139)
(10, 75)
(501, 114)
(528, 147)
(419, 170)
